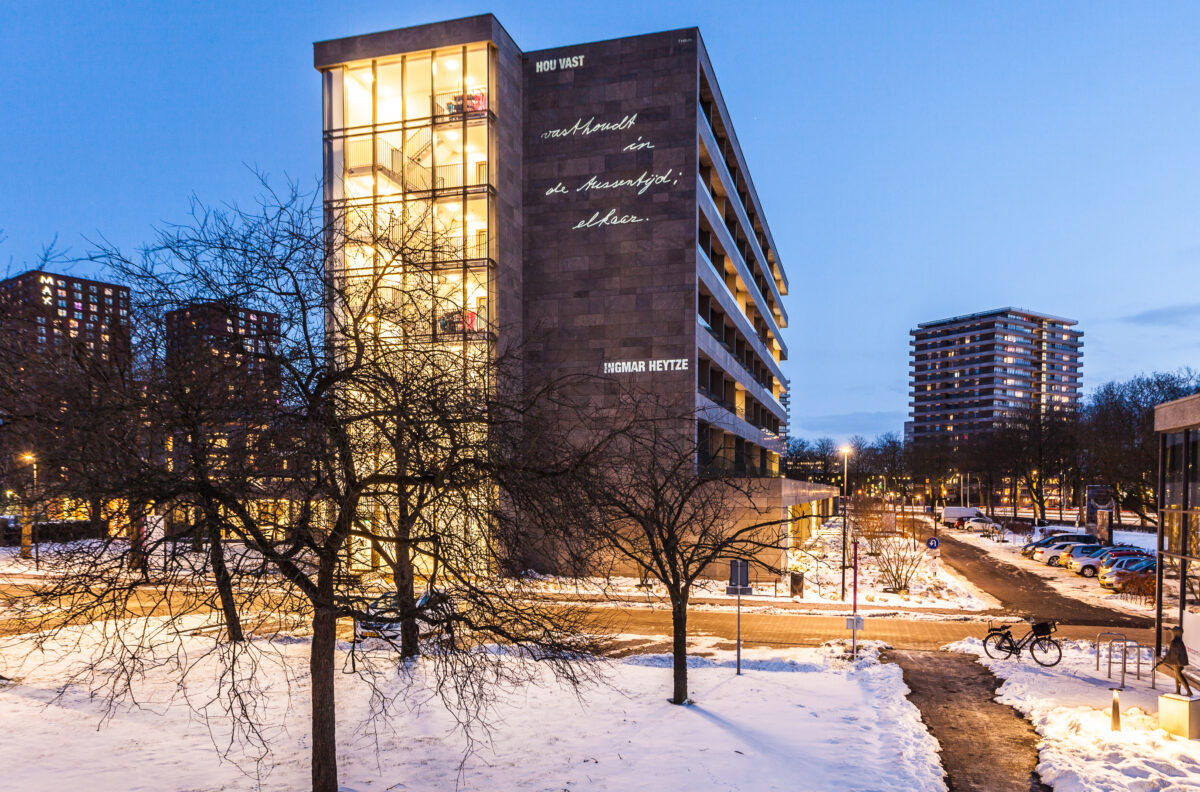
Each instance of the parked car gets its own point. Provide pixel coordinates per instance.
(1029, 549)
(951, 515)
(982, 524)
(1050, 554)
(1079, 555)
(10, 529)
(1079, 552)
(1114, 560)
(1126, 568)
(1090, 566)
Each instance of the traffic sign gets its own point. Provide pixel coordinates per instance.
(932, 543)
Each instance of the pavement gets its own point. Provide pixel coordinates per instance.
(786, 629)
(984, 746)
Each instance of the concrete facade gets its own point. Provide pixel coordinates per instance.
(1174, 416)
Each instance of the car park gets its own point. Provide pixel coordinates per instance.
(1090, 566)
(1050, 554)
(1126, 568)
(1029, 549)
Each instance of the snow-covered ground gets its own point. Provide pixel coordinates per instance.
(1065, 582)
(1070, 705)
(796, 719)
(934, 585)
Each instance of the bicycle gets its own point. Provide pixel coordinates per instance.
(1045, 651)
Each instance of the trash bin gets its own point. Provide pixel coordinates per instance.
(797, 581)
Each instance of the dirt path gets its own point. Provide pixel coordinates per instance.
(1022, 593)
(985, 746)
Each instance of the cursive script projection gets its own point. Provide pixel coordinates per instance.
(613, 217)
(638, 145)
(591, 127)
(642, 183)
(557, 189)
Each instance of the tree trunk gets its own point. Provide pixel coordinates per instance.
(679, 647)
(26, 532)
(321, 672)
(96, 518)
(402, 575)
(216, 551)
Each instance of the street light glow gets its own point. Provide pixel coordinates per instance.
(27, 456)
(845, 450)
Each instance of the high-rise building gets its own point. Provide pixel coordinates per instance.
(970, 373)
(48, 315)
(592, 201)
(228, 345)
(60, 337)
(589, 204)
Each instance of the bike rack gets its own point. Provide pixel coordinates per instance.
(1114, 635)
(1126, 644)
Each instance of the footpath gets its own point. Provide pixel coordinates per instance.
(984, 746)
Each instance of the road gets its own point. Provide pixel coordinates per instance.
(1022, 593)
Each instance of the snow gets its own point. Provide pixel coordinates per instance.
(1065, 582)
(933, 586)
(799, 718)
(1146, 541)
(1070, 706)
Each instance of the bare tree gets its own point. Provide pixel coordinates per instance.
(1120, 446)
(897, 556)
(388, 447)
(665, 513)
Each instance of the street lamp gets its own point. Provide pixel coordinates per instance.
(27, 539)
(845, 489)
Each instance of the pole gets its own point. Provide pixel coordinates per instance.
(845, 489)
(37, 553)
(843, 596)
(854, 631)
(739, 640)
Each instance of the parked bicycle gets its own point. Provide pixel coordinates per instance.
(1045, 651)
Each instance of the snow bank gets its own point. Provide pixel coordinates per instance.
(1070, 706)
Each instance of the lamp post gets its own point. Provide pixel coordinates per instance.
(28, 546)
(845, 489)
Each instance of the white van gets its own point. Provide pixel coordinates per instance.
(952, 514)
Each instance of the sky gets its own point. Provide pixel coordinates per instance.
(915, 160)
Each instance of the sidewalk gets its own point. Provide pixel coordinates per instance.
(777, 629)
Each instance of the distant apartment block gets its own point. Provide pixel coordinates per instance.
(968, 374)
(46, 315)
(228, 345)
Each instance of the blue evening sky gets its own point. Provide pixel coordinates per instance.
(916, 160)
